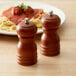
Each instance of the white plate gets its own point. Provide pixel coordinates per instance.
(46, 8)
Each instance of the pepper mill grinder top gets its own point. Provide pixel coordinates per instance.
(51, 19)
(26, 27)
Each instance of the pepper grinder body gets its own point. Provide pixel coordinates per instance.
(50, 41)
(27, 49)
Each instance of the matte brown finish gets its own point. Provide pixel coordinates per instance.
(50, 42)
(27, 49)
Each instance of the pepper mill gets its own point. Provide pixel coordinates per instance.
(50, 41)
(27, 49)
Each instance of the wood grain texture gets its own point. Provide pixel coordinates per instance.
(62, 65)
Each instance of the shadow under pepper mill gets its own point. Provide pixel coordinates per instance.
(27, 49)
(50, 41)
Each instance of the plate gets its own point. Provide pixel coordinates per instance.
(45, 7)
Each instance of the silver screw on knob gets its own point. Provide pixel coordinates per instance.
(51, 13)
(26, 20)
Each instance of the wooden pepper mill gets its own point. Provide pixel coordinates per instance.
(27, 49)
(50, 42)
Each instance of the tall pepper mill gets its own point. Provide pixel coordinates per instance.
(50, 41)
(27, 49)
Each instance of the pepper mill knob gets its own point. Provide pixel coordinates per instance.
(26, 20)
(50, 13)
(26, 28)
(50, 21)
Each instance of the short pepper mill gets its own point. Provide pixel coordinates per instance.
(27, 49)
(50, 41)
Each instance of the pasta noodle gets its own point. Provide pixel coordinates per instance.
(7, 25)
(37, 21)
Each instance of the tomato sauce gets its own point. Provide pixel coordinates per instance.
(18, 18)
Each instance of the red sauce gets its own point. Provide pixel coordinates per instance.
(18, 18)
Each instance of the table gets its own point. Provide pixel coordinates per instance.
(62, 65)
